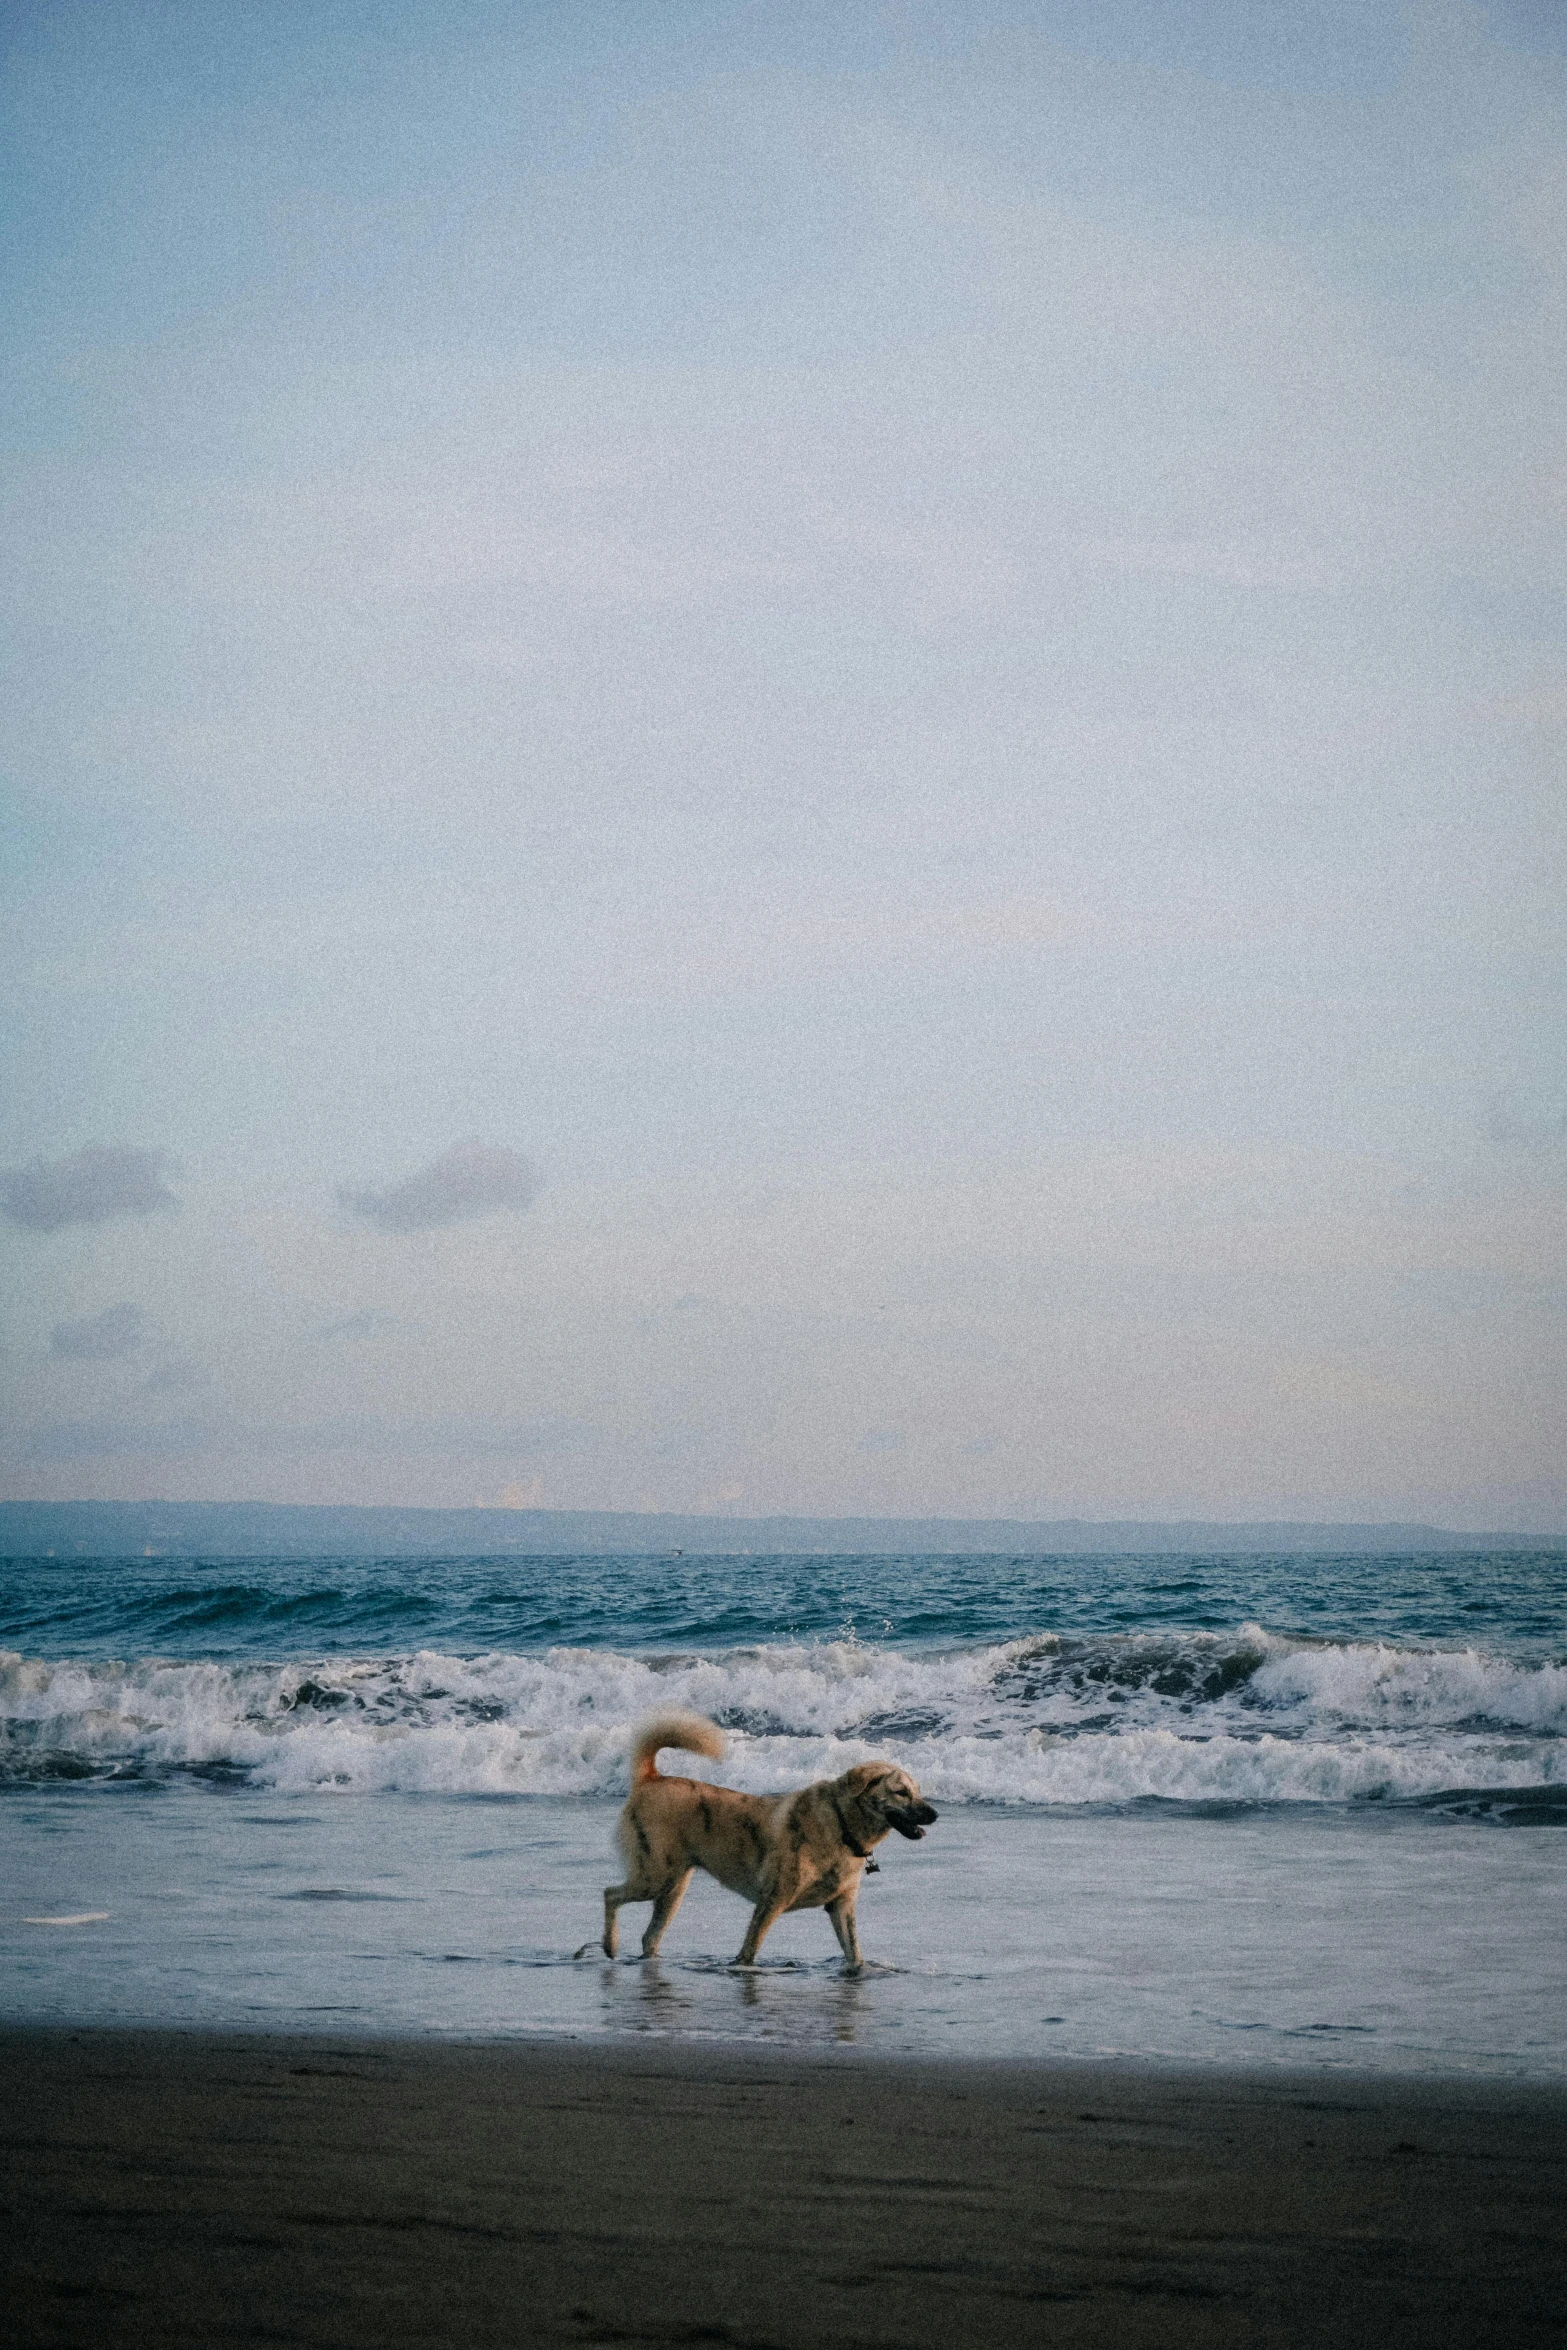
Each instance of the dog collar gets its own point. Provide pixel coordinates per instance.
(860, 1851)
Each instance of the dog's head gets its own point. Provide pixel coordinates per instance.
(888, 1796)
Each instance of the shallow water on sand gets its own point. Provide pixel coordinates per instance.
(1324, 1936)
(1238, 1810)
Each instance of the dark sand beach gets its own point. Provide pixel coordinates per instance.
(183, 2188)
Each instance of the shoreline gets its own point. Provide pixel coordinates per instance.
(1319, 1942)
(697, 2053)
(191, 2187)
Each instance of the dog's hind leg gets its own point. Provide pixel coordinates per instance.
(614, 1895)
(664, 1909)
(841, 1912)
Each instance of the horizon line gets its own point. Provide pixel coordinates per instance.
(709, 1518)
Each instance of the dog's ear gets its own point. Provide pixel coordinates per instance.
(879, 1784)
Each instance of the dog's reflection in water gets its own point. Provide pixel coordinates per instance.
(662, 1999)
(668, 2002)
(846, 2001)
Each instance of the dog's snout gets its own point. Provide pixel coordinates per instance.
(912, 1820)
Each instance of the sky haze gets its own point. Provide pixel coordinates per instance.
(783, 758)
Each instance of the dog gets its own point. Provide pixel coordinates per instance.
(782, 1852)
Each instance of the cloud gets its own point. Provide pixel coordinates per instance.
(457, 1438)
(72, 1440)
(1537, 1124)
(369, 1322)
(102, 1338)
(522, 1497)
(883, 1440)
(1451, 1289)
(690, 1303)
(88, 1188)
(471, 1179)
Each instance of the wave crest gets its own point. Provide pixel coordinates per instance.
(1242, 1717)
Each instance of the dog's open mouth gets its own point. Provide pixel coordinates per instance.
(912, 1821)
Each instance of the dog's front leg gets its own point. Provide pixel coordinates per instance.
(844, 1926)
(763, 1918)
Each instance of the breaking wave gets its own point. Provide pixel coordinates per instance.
(1242, 1717)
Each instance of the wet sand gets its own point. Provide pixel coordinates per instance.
(167, 2189)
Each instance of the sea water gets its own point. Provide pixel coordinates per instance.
(1264, 1811)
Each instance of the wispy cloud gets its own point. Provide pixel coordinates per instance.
(471, 1439)
(459, 1437)
(690, 1303)
(87, 1188)
(73, 1440)
(471, 1179)
(368, 1322)
(1451, 1289)
(1537, 1125)
(101, 1338)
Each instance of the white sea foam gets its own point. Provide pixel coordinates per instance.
(1242, 1717)
(1376, 1684)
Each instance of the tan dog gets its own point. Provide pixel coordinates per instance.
(782, 1852)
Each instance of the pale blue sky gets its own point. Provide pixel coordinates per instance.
(919, 652)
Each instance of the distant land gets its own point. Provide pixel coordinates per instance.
(220, 1529)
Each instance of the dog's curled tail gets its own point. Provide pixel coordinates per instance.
(692, 1731)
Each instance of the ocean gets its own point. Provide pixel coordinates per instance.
(1250, 1811)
